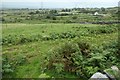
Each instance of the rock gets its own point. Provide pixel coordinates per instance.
(115, 68)
(116, 72)
(110, 73)
(113, 73)
(99, 76)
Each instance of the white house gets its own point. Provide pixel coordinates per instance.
(96, 13)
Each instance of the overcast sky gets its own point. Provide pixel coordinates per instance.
(58, 3)
(60, 0)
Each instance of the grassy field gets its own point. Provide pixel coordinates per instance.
(59, 43)
(28, 57)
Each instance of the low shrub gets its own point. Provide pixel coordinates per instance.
(79, 59)
(68, 58)
(104, 29)
(21, 39)
(9, 64)
(74, 17)
(6, 66)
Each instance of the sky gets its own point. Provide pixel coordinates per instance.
(58, 3)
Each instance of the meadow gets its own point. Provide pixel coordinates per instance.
(58, 50)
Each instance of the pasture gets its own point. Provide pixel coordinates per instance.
(59, 43)
(26, 45)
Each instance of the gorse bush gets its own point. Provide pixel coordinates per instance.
(9, 65)
(20, 39)
(54, 35)
(67, 35)
(67, 58)
(84, 48)
(62, 56)
(113, 47)
(79, 59)
(19, 60)
(74, 17)
(104, 29)
(6, 66)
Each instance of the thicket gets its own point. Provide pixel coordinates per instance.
(20, 39)
(104, 29)
(9, 65)
(81, 58)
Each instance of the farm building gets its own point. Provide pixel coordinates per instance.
(96, 13)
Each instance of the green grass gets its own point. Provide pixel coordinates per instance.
(27, 39)
(35, 51)
(37, 28)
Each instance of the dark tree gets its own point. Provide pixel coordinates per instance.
(31, 13)
(37, 12)
(103, 9)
